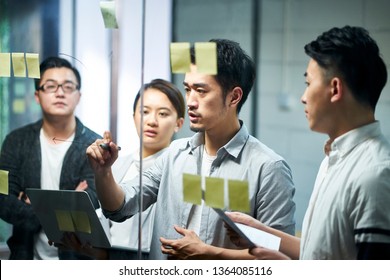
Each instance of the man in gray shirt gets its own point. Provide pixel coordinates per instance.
(221, 147)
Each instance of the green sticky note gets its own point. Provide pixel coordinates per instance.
(206, 58)
(81, 221)
(214, 195)
(32, 61)
(108, 11)
(19, 106)
(192, 188)
(19, 65)
(64, 220)
(180, 57)
(238, 195)
(5, 65)
(4, 182)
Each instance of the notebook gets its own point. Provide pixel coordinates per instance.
(62, 211)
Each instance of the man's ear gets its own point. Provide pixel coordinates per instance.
(336, 89)
(235, 96)
(36, 95)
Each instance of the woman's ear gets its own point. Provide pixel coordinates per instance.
(179, 124)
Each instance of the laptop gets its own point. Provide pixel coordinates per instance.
(61, 211)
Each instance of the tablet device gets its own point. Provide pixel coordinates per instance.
(234, 227)
(61, 211)
(254, 237)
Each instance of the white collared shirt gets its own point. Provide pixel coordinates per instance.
(350, 203)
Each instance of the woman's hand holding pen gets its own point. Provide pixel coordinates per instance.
(102, 153)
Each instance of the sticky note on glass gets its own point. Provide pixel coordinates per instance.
(19, 106)
(5, 65)
(4, 182)
(180, 57)
(192, 188)
(32, 61)
(108, 11)
(81, 221)
(18, 64)
(206, 57)
(64, 220)
(238, 195)
(214, 194)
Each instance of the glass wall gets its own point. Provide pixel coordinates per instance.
(25, 27)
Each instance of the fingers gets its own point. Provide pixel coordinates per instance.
(167, 246)
(237, 217)
(94, 153)
(166, 242)
(82, 186)
(180, 230)
(23, 197)
(243, 218)
(103, 152)
(107, 137)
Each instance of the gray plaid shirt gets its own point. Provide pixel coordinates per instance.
(271, 188)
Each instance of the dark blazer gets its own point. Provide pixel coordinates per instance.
(21, 156)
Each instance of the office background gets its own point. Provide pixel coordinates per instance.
(273, 32)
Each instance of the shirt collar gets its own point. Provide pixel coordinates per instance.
(233, 147)
(346, 142)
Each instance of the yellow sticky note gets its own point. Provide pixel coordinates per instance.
(192, 188)
(19, 106)
(108, 11)
(81, 221)
(19, 65)
(214, 195)
(206, 57)
(238, 195)
(64, 220)
(5, 65)
(180, 57)
(4, 182)
(32, 61)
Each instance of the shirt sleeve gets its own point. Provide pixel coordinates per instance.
(13, 210)
(369, 211)
(274, 201)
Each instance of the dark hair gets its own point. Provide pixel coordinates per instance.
(235, 68)
(170, 90)
(56, 62)
(352, 54)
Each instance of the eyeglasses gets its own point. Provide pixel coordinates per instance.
(52, 86)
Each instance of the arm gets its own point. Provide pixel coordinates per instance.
(289, 245)
(191, 247)
(369, 210)
(109, 193)
(274, 205)
(12, 209)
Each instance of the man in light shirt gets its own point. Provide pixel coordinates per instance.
(348, 213)
(221, 147)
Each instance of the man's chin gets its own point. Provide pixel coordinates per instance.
(196, 129)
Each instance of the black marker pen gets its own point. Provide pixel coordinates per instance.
(106, 147)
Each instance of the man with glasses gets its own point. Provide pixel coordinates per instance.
(47, 154)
